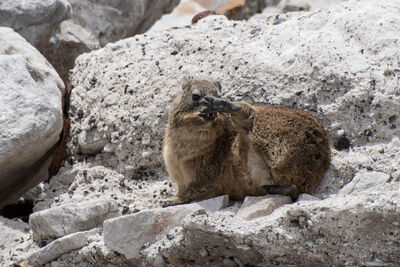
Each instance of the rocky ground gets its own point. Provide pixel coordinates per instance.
(103, 208)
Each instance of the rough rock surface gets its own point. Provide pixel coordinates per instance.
(255, 207)
(149, 226)
(35, 20)
(13, 234)
(61, 246)
(68, 41)
(366, 181)
(341, 64)
(110, 21)
(321, 61)
(342, 231)
(276, 8)
(71, 218)
(30, 115)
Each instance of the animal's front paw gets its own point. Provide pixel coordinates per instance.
(173, 202)
(213, 105)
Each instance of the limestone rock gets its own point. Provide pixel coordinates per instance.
(396, 176)
(346, 86)
(69, 40)
(307, 197)
(345, 230)
(71, 218)
(339, 63)
(35, 20)
(214, 204)
(59, 247)
(13, 236)
(131, 233)
(112, 21)
(365, 181)
(255, 207)
(30, 115)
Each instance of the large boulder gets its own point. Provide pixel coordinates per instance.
(316, 61)
(340, 64)
(35, 20)
(69, 41)
(95, 23)
(110, 21)
(342, 231)
(30, 115)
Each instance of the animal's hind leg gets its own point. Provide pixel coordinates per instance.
(194, 192)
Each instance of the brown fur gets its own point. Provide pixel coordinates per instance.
(238, 153)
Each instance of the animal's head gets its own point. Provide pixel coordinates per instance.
(193, 91)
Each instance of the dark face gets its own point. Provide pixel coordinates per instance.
(194, 91)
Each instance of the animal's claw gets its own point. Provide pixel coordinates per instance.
(214, 105)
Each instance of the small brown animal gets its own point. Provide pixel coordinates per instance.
(214, 147)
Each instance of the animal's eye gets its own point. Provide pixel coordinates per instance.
(196, 97)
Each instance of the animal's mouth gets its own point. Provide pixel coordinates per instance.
(209, 116)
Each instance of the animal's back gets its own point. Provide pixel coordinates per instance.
(293, 143)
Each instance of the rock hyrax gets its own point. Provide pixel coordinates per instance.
(214, 147)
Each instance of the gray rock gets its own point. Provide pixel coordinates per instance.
(141, 76)
(308, 233)
(59, 247)
(255, 207)
(30, 115)
(62, 220)
(69, 39)
(35, 20)
(112, 21)
(395, 176)
(214, 204)
(92, 142)
(12, 236)
(129, 234)
(322, 61)
(365, 181)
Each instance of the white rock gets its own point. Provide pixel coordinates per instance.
(396, 176)
(92, 142)
(70, 39)
(62, 220)
(35, 20)
(109, 148)
(59, 247)
(110, 100)
(214, 204)
(365, 181)
(129, 234)
(30, 115)
(307, 197)
(342, 230)
(254, 207)
(12, 236)
(124, 18)
(326, 76)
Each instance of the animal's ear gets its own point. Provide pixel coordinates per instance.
(219, 88)
(186, 83)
